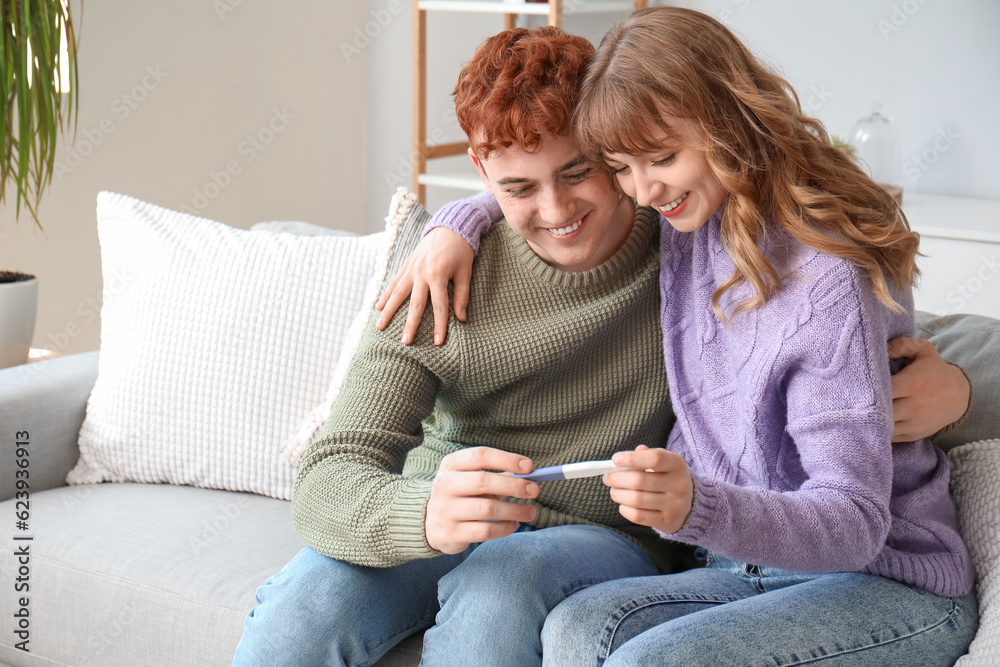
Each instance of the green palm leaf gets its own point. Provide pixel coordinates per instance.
(37, 45)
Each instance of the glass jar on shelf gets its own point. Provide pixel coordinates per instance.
(877, 142)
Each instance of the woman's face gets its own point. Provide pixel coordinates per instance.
(563, 205)
(676, 179)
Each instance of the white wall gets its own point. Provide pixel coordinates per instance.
(170, 92)
(934, 65)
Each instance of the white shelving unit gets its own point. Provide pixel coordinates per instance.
(510, 9)
(960, 238)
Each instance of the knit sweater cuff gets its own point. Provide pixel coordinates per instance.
(470, 217)
(406, 521)
(703, 511)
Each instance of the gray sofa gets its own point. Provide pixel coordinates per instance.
(125, 574)
(154, 574)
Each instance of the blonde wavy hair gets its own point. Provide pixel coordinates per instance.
(776, 164)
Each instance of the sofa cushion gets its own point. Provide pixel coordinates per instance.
(975, 487)
(406, 220)
(143, 574)
(972, 342)
(215, 345)
(135, 575)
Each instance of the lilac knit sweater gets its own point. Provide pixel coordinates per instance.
(784, 416)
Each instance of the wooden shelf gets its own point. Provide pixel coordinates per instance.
(526, 8)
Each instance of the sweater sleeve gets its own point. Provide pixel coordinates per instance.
(471, 217)
(828, 365)
(351, 501)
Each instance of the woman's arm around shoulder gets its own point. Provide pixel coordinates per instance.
(444, 255)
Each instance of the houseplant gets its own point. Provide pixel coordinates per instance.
(38, 78)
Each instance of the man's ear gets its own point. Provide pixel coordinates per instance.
(477, 163)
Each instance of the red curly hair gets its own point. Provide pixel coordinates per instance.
(520, 85)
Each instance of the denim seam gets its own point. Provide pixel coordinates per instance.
(650, 601)
(950, 617)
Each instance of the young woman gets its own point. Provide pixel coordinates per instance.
(784, 272)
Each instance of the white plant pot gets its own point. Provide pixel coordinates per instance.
(18, 309)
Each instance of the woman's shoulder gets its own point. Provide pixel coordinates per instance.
(831, 290)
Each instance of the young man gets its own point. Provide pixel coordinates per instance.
(406, 502)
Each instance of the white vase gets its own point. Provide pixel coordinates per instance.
(18, 308)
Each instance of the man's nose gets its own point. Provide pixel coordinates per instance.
(558, 207)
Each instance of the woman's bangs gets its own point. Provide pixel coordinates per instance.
(620, 119)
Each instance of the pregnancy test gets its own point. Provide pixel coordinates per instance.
(572, 471)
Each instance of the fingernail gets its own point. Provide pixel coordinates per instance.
(532, 489)
(437, 339)
(461, 314)
(405, 339)
(379, 322)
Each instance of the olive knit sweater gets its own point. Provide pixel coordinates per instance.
(556, 366)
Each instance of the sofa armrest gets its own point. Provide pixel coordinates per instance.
(48, 400)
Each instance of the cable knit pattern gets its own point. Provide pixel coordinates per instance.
(784, 418)
(556, 366)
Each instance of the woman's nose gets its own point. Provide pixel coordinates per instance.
(647, 190)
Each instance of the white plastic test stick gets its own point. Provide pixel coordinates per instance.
(572, 471)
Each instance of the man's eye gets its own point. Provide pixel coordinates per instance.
(579, 176)
(516, 193)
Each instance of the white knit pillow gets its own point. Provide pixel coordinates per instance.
(975, 487)
(404, 224)
(216, 345)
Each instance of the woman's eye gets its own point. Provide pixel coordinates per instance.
(618, 171)
(665, 161)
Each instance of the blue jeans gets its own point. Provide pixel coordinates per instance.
(734, 614)
(486, 605)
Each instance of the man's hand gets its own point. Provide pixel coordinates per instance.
(660, 495)
(928, 394)
(465, 506)
(442, 256)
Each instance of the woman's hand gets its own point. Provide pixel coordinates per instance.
(442, 256)
(660, 495)
(928, 394)
(466, 503)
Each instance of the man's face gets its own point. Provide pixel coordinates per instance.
(564, 206)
